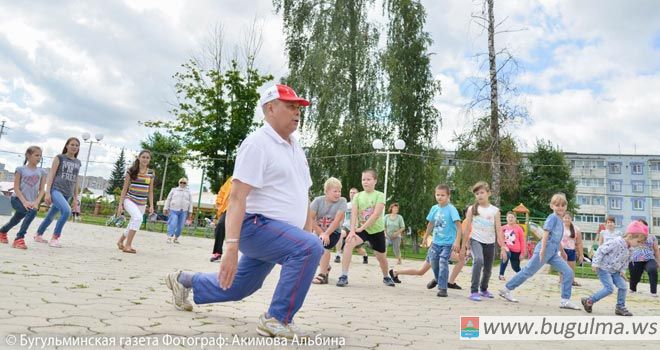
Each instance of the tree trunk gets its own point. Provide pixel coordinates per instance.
(494, 117)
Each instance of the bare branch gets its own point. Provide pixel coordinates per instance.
(511, 30)
(502, 21)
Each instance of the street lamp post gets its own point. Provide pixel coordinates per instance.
(87, 139)
(378, 146)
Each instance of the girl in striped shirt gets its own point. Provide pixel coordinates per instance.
(138, 187)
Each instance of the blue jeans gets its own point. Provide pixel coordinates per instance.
(61, 204)
(439, 256)
(175, 222)
(609, 281)
(21, 213)
(264, 243)
(551, 257)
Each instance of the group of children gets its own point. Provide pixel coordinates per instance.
(560, 246)
(352, 224)
(60, 187)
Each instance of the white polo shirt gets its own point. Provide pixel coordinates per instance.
(279, 174)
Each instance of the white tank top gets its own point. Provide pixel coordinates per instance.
(483, 224)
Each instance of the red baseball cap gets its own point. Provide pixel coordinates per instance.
(281, 92)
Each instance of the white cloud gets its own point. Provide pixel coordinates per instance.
(68, 67)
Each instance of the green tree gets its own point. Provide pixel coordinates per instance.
(118, 174)
(334, 61)
(214, 113)
(162, 146)
(474, 163)
(411, 89)
(546, 173)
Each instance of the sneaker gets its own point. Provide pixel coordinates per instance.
(302, 335)
(442, 293)
(3, 238)
(337, 259)
(179, 292)
(587, 304)
(508, 295)
(395, 278)
(487, 294)
(215, 257)
(176, 240)
(169, 240)
(388, 281)
(453, 286)
(271, 327)
(475, 297)
(431, 284)
(622, 311)
(655, 295)
(633, 291)
(365, 259)
(55, 243)
(40, 239)
(568, 305)
(342, 281)
(19, 244)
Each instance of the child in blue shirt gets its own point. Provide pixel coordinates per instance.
(547, 252)
(445, 223)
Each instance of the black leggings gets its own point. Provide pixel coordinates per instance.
(636, 271)
(219, 234)
(515, 262)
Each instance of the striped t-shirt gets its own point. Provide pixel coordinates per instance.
(139, 188)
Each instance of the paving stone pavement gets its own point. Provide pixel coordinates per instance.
(90, 288)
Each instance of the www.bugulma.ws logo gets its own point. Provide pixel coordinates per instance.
(469, 327)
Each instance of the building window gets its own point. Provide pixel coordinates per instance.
(656, 203)
(598, 200)
(614, 168)
(637, 168)
(615, 185)
(637, 203)
(655, 166)
(616, 203)
(595, 218)
(590, 182)
(637, 186)
(656, 221)
(587, 163)
(584, 200)
(655, 184)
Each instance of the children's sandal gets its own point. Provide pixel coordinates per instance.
(321, 278)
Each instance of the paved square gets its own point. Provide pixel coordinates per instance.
(88, 287)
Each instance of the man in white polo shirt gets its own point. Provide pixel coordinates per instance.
(266, 220)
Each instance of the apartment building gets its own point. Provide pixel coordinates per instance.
(624, 186)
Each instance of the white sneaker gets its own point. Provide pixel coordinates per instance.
(179, 292)
(655, 295)
(508, 295)
(55, 243)
(169, 239)
(568, 305)
(271, 327)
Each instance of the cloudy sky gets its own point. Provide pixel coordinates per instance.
(590, 70)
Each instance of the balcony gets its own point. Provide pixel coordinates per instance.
(591, 172)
